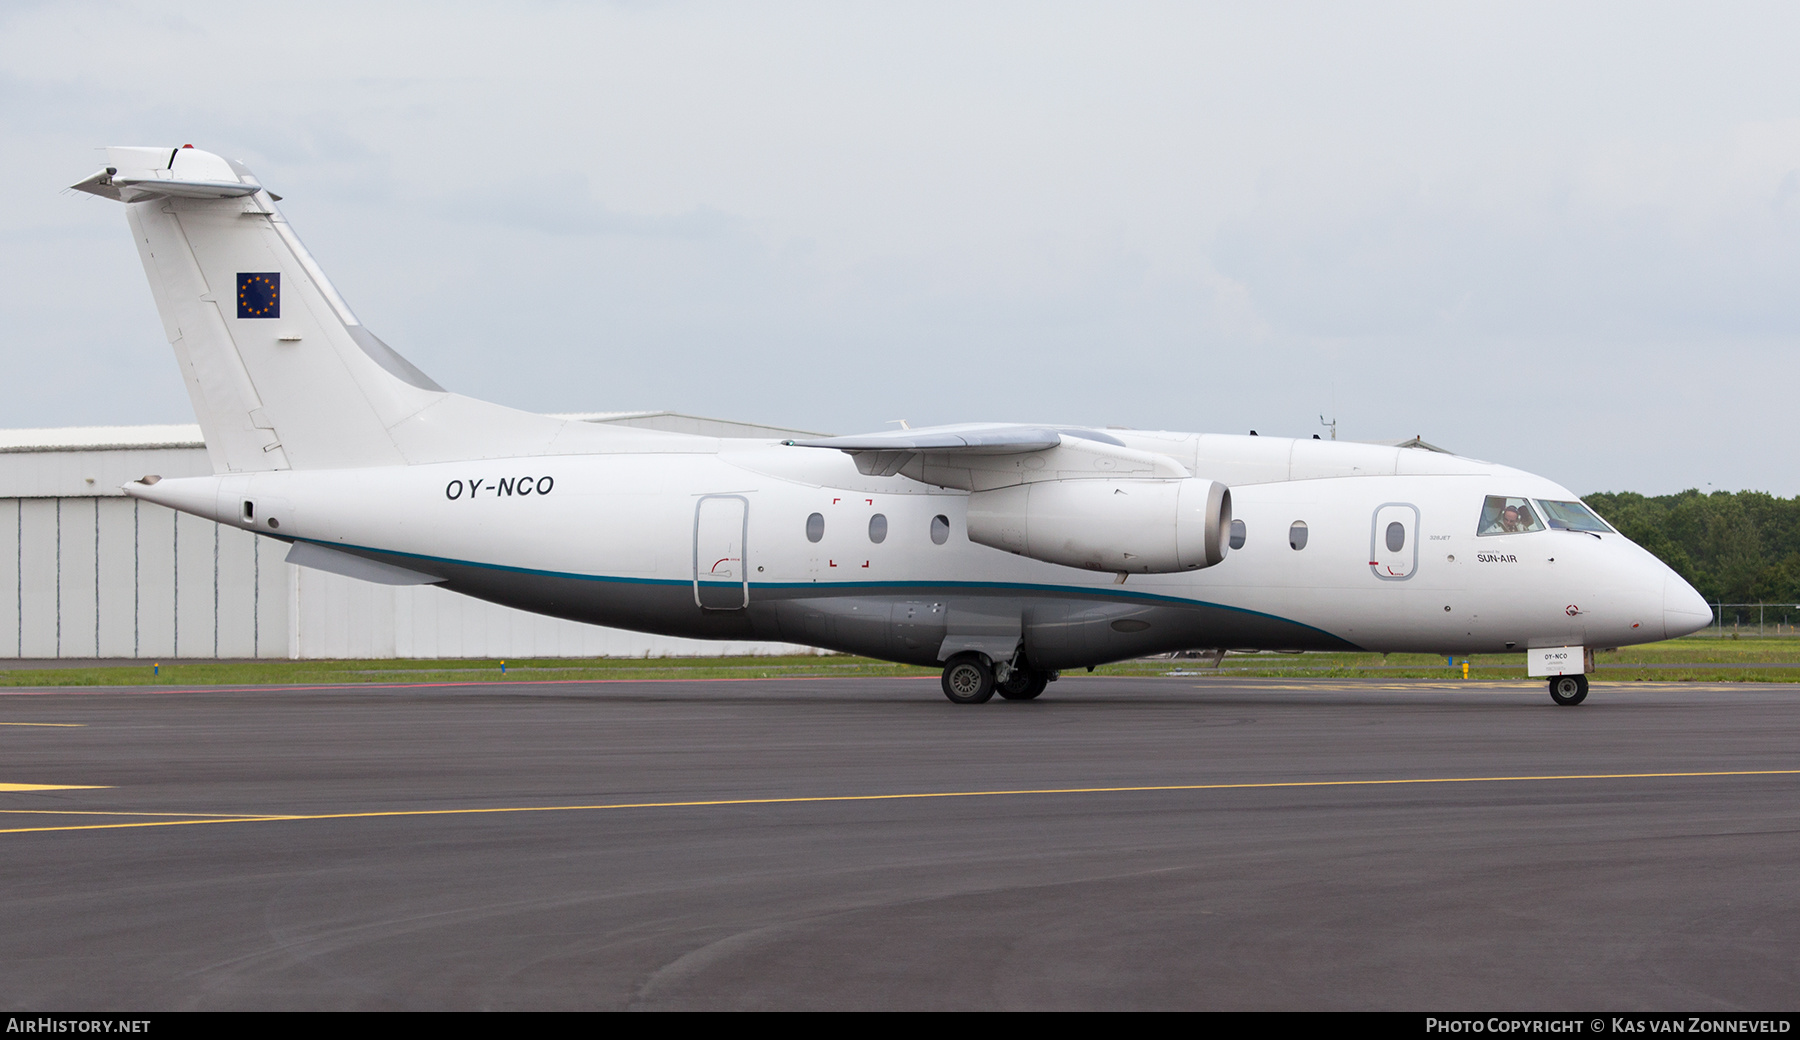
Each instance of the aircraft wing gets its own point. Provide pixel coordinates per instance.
(987, 438)
(980, 456)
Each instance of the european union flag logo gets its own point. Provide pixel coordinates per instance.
(259, 295)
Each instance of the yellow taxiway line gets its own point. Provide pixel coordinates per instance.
(54, 787)
(196, 818)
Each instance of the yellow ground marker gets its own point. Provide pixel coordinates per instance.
(909, 796)
(54, 787)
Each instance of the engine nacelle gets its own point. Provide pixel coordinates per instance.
(1126, 526)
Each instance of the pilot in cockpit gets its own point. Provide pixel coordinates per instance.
(1508, 516)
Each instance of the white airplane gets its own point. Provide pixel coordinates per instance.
(1002, 553)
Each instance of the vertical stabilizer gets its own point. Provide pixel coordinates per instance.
(281, 373)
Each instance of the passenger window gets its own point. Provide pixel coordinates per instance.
(1237, 534)
(1297, 535)
(940, 529)
(1502, 515)
(878, 528)
(815, 527)
(1396, 536)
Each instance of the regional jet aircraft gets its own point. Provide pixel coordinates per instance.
(1001, 553)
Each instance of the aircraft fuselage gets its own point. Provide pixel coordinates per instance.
(715, 543)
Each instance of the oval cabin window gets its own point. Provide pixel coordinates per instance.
(815, 527)
(940, 529)
(1396, 536)
(1297, 535)
(878, 528)
(1237, 534)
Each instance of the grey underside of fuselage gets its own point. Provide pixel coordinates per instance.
(1058, 627)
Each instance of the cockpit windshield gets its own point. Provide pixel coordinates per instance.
(1502, 515)
(1572, 516)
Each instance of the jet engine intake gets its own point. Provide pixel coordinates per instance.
(1124, 526)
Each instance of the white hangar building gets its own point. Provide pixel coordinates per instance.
(95, 574)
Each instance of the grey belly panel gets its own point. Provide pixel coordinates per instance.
(1059, 629)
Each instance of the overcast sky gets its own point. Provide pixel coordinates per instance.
(1563, 237)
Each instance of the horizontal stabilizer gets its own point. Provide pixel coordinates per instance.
(138, 174)
(107, 184)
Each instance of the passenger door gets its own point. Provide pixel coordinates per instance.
(1394, 541)
(721, 578)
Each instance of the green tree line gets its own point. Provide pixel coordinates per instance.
(1735, 547)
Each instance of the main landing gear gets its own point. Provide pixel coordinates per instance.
(1023, 684)
(970, 679)
(1568, 690)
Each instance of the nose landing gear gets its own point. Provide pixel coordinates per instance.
(1568, 690)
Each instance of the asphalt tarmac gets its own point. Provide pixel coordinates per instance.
(1121, 843)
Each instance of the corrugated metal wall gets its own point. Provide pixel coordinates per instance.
(114, 577)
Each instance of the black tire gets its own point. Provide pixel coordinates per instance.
(1568, 690)
(1023, 684)
(968, 679)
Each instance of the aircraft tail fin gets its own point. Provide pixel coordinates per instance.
(281, 373)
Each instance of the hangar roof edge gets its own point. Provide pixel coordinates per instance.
(102, 438)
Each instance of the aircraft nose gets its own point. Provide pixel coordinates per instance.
(1684, 609)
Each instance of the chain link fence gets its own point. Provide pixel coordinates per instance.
(1754, 619)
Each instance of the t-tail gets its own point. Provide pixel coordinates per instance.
(281, 373)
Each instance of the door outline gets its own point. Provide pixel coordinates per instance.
(717, 593)
(1380, 559)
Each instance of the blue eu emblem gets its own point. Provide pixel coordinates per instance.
(259, 295)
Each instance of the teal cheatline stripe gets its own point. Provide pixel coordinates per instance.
(1108, 592)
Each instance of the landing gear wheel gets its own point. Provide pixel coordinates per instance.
(968, 679)
(1023, 684)
(1568, 690)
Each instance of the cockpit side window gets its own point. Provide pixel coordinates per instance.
(1503, 515)
(1572, 516)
